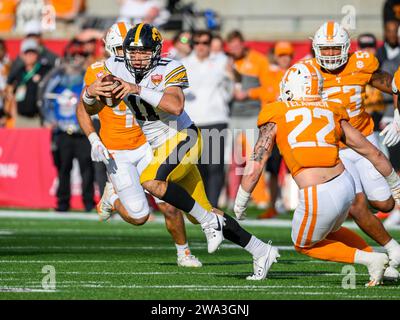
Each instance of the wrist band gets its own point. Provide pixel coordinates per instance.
(151, 96)
(242, 197)
(393, 179)
(88, 99)
(93, 137)
(394, 87)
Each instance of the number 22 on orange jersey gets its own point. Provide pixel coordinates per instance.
(319, 140)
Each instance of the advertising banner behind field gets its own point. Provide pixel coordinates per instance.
(28, 178)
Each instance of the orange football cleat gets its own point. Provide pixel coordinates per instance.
(381, 215)
(268, 214)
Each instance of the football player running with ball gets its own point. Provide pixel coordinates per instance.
(307, 131)
(152, 88)
(122, 137)
(345, 78)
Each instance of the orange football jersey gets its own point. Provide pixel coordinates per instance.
(119, 130)
(348, 88)
(308, 133)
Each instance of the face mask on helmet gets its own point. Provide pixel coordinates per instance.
(142, 49)
(331, 61)
(331, 45)
(301, 82)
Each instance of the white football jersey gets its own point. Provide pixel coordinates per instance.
(157, 125)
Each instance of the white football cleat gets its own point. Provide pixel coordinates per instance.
(213, 232)
(104, 207)
(262, 264)
(377, 268)
(391, 274)
(393, 219)
(189, 261)
(394, 257)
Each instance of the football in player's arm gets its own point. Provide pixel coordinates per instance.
(91, 95)
(171, 100)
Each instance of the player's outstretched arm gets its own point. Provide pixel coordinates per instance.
(90, 104)
(84, 119)
(391, 132)
(382, 81)
(356, 141)
(171, 100)
(254, 167)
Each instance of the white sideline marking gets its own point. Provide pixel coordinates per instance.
(303, 274)
(150, 248)
(12, 289)
(219, 287)
(6, 233)
(128, 261)
(200, 288)
(53, 215)
(48, 215)
(94, 247)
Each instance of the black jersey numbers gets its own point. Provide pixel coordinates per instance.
(143, 111)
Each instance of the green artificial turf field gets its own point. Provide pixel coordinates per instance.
(113, 260)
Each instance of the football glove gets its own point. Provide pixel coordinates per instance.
(392, 131)
(99, 152)
(394, 183)
(242, 198)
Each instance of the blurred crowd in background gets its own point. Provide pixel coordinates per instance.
(229, 84)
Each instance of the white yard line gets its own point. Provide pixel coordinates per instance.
(19, 290)
(6, 233)
(347, 294)
(302, 274)
(52, 215)
(48, 215)
(144, 248)
(126, 261)
(96, 247)
(325, 290)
